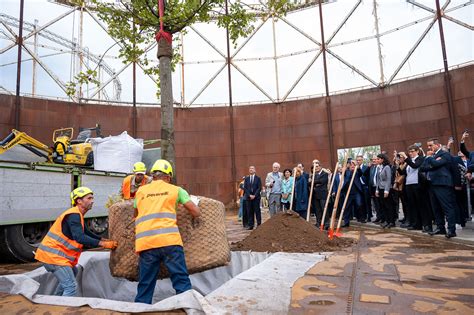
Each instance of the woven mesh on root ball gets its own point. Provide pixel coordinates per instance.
(205, 246)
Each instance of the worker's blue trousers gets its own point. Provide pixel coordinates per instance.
(66, 276)
(149, 267)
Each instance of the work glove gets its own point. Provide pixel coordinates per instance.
(108, 244)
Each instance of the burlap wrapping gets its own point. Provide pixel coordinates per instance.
(205, 245)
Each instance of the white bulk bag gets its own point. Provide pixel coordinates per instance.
(116, 153)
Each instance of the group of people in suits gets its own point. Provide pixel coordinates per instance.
(443, 178)
(282, 188)
(376, 190)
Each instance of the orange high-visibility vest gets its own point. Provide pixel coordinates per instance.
(127, 186)
(56, 248)
(155, 224)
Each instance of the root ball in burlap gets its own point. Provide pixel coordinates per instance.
(205, 245)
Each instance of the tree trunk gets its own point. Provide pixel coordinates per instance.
(165, 51)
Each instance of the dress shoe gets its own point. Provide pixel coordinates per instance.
(427, 229)
(249, 228)
(437, 231)
(385, 225)
(390, 225)
(363, 221)
(450, 234)
(402, 220)
(405, 225)
(345, 225)
(377, 221)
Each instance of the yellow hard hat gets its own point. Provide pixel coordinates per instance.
(162, 166)
(139, 168)
(79, 192)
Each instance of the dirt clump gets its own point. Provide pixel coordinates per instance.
(288, 232)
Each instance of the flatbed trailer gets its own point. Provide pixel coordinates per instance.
(33, 195)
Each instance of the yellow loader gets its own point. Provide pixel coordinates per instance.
(64, 149)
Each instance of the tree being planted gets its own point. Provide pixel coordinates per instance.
(136, 24)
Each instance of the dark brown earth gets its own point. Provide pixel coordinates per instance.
(288, 232)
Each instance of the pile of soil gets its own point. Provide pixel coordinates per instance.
(288, 232)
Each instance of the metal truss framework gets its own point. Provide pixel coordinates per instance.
(382, 82)
(232, 60)
(68, 47)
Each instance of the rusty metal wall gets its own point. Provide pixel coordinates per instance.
(291, 132)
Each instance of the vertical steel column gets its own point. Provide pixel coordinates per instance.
(81, 55)
(275, 59)
(182, 70)
(19, 41)
(447, 77)
(379, 46)
(134, 89)
(35, 49)
(231, 113)
(327, 98)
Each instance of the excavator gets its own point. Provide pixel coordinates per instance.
(65, 149)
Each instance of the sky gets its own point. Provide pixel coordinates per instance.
(295, 74)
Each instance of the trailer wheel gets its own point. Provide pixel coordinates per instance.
(98, 226)
(18, 242)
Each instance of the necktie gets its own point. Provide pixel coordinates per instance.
(251, 180)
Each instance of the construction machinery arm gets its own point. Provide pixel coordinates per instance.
(21, 138)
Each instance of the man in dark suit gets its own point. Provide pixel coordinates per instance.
(438, 167)
(320, 193)
(465, 151)
(252, 188)
(469, 164)
(354, 200)
(372, 173)
(363, 174)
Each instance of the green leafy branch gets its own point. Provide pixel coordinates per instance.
(87, 77)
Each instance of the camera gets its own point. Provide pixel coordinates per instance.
(398, 155)
(418, 144)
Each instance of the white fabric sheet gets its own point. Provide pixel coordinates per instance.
(252, 282)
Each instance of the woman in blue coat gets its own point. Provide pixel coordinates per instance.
(300, 204)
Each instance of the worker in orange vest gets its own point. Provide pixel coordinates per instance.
(62, 246)
(131, 183)
(157, 238)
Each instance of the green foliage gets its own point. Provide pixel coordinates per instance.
(366, 152)
(133, 23)
(88, 77)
